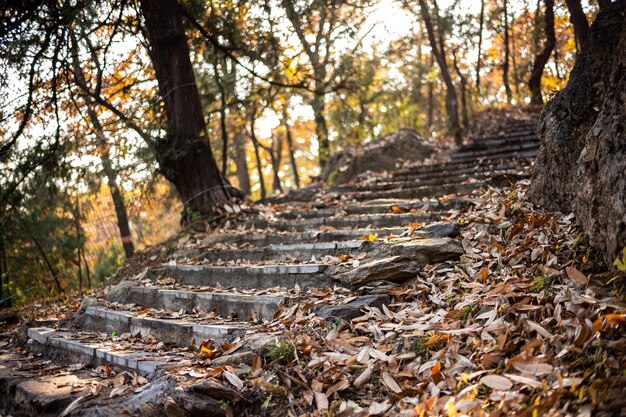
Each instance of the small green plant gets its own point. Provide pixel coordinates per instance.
(266, 402)
(224, 405)
(469, 309)
(282, 351)
(334, 323)
(621, 263)
(422, 347)
(542, 282)
(113, 334)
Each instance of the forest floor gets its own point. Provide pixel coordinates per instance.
(511, 313)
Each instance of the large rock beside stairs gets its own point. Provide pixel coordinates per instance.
(396, 261)
(581, 166)
(382, 154)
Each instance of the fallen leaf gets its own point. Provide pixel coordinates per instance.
(496, 382)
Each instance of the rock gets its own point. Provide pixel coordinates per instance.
(262, 343)
(397, 261)
(88, 302)
(442, 229)
(581, 166)
(172, 409)
(214, 389)
(200, 406)
(234, 359)
(383, 154)
(353, 308)
(9, 317)
(148, 410)
(118, 293)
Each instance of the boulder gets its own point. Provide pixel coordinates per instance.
(352, 308)
(396, 261)
(383, 154)
(581, 166)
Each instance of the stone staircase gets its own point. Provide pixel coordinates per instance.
(236, 283)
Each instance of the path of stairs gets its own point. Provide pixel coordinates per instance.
(229, 287)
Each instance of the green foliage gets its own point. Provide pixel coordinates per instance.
(282, 351)
(621, 263)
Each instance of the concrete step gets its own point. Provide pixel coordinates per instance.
(347, 222)
(495, 142)
(282, 253)
(379, 208)
(460, 170)
(495, 150)
(224, 304)
(419, 192)
(247, 277)
(457, 164)
(176, 332)
(267, 239)
(72, 347)
(443, 179)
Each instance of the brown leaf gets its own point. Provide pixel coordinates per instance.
(576, 276)
(497, 382)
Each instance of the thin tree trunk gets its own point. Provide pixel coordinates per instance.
(534, 83)
(107, 165)
(220, 86)
(452, 105)
(480, 44)
(292, 156)
(48, 264)
(513, 60)
(243, 176)
(276, 156)
(259, 167)
(79, 244)
(318, 104)
(184, 155)
(505, 64)
(464, 112)
(430, 115)
(87, 270)
(579, 21)
(2, 269)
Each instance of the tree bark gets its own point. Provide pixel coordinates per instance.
(430, 115)
(184, 155)
(276, 160)
(255, 144)
(505, 64)
(534, 83)
(480, 44)
(223, 103)
(318, 103)
(292, 156)
(241, 162)
(579, 21)
(464, 112)
(452, 105)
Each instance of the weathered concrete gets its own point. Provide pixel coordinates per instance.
(177, 332)
(358, 221)
(286, 276)
(239, 306)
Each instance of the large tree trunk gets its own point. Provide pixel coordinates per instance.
(579, 21)
(581, 166)
(452, 105)
(318, 104)
(534, 83)
(243, 176)
(290, 148)
(184, 155)
(505, 64)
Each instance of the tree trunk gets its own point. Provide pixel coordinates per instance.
(452, 105)
(534, 83)
(259, 166)
(464, 112)
(505, 64)
(241, 162)
(276, 156)
(318, 104)
(184, 155)
(46, 260)
(2, 270)
(579, 21)
(107, 166)
(79, 261)
(430, 115)
(292, 156)
(480, 44)
(223, 103)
